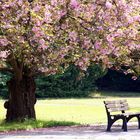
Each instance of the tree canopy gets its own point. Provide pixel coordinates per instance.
(46, 36)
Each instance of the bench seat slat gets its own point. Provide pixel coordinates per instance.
(131, 113)
(126, 114)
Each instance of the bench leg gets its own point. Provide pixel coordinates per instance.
(138, 117)
(127, 119)
(124, 126)
(109, 127)
(110, 122)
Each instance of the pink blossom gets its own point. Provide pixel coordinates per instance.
(3, 42)
(21, 40)
(20, 2)
(4, 6)
(138, 46)
(108, 5)
(44, 46)
(109, 38)
(8, 25)
(73, 35)
(62, 13)
(104, 51)
(35, 29)
(85, 59)
(74, 4)
(80, 63)
(48, 15)
(42, 41)
(87, 42)
(134, 77)
(84, 68)
(100, 28)
(37, 8)
(63, 26)
(38, 23)
(54, 2)
(3, 54)
(130, 20)
(97, 45)
(122, 3)
(136, 18)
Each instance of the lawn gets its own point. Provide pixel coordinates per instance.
(83, 111)
(52, 112)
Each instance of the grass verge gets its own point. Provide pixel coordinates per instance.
(32, 124)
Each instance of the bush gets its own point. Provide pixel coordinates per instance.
(4, 77)
(72, 83)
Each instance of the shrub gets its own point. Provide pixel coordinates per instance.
(72, 83)
(4, 77)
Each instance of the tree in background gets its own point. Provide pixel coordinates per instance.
(39, 36)
(4, 77)
(71, 83)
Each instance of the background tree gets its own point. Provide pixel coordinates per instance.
(71, 83)
(39, 36)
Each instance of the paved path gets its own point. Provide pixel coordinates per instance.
(73, 133)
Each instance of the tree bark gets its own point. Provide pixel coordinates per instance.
(21, 99)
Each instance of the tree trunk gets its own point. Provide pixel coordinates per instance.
(21, 99)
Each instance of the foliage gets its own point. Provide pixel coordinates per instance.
(4, 77)
(46, 36)
(68, 84)
(72, 83)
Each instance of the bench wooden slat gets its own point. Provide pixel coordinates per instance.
(115, 102)
(131, 113)
(116, 105)
(118, 109)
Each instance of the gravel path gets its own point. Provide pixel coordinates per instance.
(92, 132)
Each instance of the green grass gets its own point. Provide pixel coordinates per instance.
(62, 112)
(31, 124)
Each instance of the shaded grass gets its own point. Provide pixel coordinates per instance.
(31, 124)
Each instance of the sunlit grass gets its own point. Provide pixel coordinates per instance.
(56, 112)
(84, 111)
(2, 110)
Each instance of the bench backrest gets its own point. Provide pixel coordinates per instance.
(116, 105)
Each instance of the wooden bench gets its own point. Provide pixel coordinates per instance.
(120, 107)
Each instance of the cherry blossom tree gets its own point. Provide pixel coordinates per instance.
(46, 36)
